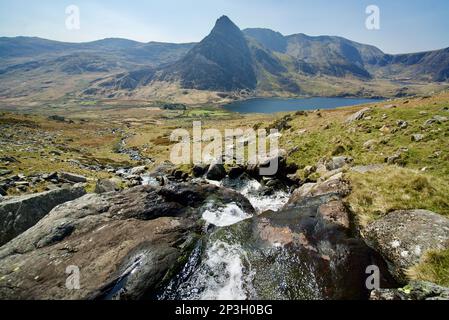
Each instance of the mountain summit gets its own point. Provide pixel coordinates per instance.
(222, 61)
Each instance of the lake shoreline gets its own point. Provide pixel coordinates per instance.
(277, 104)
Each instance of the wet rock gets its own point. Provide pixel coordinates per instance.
(417, 137)
(358, 115)
(274, 164)
(106, 185)
(403, 237)
(216, 172)
(200, 170)
(236, 172)
(125, 244)
(71, 177)
(415, 290)
(20, 213)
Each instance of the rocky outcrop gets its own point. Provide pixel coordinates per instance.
(359, 115)
(403, 237)
(336, 185)
(415, 290)
(18, 214)
(71, 177)
(107, 185)
(125, 244)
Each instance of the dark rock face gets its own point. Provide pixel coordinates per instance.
(199, 170)
(216, 172)
(402, 238)
(21, 213)
(125, 244)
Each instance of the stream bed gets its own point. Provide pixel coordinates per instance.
(219, 269)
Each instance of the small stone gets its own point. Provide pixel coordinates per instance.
(385, 129)
(417, 137)
(370, 144)
(440, 119)
(402, 124)
(4, 172)
(309, 170)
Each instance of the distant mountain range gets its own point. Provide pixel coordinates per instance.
(253, 61)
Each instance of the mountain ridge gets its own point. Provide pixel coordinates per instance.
(227, 60)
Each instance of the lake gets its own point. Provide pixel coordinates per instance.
(273, 105)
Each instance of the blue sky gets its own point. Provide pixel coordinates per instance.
(406, 25)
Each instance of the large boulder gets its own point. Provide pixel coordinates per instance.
(216, 172)
(125, 244)
(403, 237)
(107, 185)
(18, 214)
(335, 185)
(359, 115)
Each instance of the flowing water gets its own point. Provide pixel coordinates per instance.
(219, 269)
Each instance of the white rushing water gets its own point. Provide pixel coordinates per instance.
(226, 278)
(222, 271)
(251, 190)
(224, 216)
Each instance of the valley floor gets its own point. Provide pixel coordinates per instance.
(395, 153)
